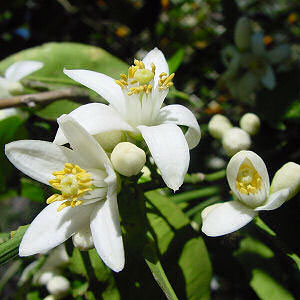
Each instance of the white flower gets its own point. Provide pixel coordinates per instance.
(248, 179)
(242, 33)
(58, 286)
(88, 196)
(235, 140)
(9, 84)
(218, 125)
(128, 159)
(135, 107)
(250, 123)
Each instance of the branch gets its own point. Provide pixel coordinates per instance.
(74, 93)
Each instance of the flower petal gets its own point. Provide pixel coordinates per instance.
(102, 84)
(257, 44)
(268, 79)
(105, 227)
(20, 69)
(169, 150)
(38, 159)
(279, 53)
(95, 118)
(233, 168)
(83, 143)
(4, 86)
(275, 200)
(227, 218)
(180, 115)
(51, 228)
(156, 57)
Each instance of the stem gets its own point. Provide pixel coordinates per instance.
(199, 177)
(31, 99)
(199, 207)
(187, 196)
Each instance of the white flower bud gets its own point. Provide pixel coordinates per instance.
(128, 159)
(15, 88)
(58, 286)
(108, 140)
(50, 297)
(83, 239)
(44, 275)
(218, 125)
(235, 140)
(250, 123)
(242, 34)
(288, 176)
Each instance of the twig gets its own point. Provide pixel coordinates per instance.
(74, 93)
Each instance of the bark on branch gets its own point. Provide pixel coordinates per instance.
(73, 93)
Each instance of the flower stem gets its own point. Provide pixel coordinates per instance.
(191, 195)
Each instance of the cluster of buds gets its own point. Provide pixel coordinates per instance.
(234, 139)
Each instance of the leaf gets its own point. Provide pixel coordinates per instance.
(10, 248)
(186, 254)
(79, 288)
(57, 56)
(293, 111)
(102, 273)
(76, 263)
(268, 288)
(32, 190)
(55, 109)
(175, 61)
(35, 295)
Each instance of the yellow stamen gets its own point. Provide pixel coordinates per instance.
(73, 182)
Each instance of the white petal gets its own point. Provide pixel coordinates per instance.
(105, 228)
(156, 57)
(38, 159)
(227, 218)
(169, 150)
(20, 69)
(268, 78)
(275, 200)
(95, 118)
(180, 115)
(4, 86)
(234, 166)
(102, 84)
(51, 228)
(83, 143)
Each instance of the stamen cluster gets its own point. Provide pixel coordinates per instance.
(73, 182)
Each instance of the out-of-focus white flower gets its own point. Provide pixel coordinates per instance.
(242, 33)
(9, 83)
(135, 107)
(216, 163)
(88, 186)
(250, 123)
(10, 112)
(50, 297)
(128, 159)
(58, 286)
(235, 140)
(248, 179)
(218, 125)
(83, 239)
(288, 176)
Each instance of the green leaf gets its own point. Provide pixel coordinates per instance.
(262, 225)
(32, 190)
(266, 287)
(179, 245)
(10, 248)
(79, 288)
(102, 273)
(295, 258)
(175, 61)
(293, 111)
(57, 108)
(76, 263)
(35, 295)
(57, 56)
(111, 294)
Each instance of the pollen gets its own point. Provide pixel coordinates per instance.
(248, 180)
(73, 182)
(165, 81)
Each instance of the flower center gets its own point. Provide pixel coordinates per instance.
(139, 79)
(248, 180)
(73, 182)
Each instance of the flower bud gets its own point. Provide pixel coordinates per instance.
(50, 297)
(250, 123)
(235, 140)
(218, 125)
(128, 159)
(58, 286)
(108, 140)
(288, 176)
(44, 275)
(15, 88)
(242, 34)
(83, 239)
